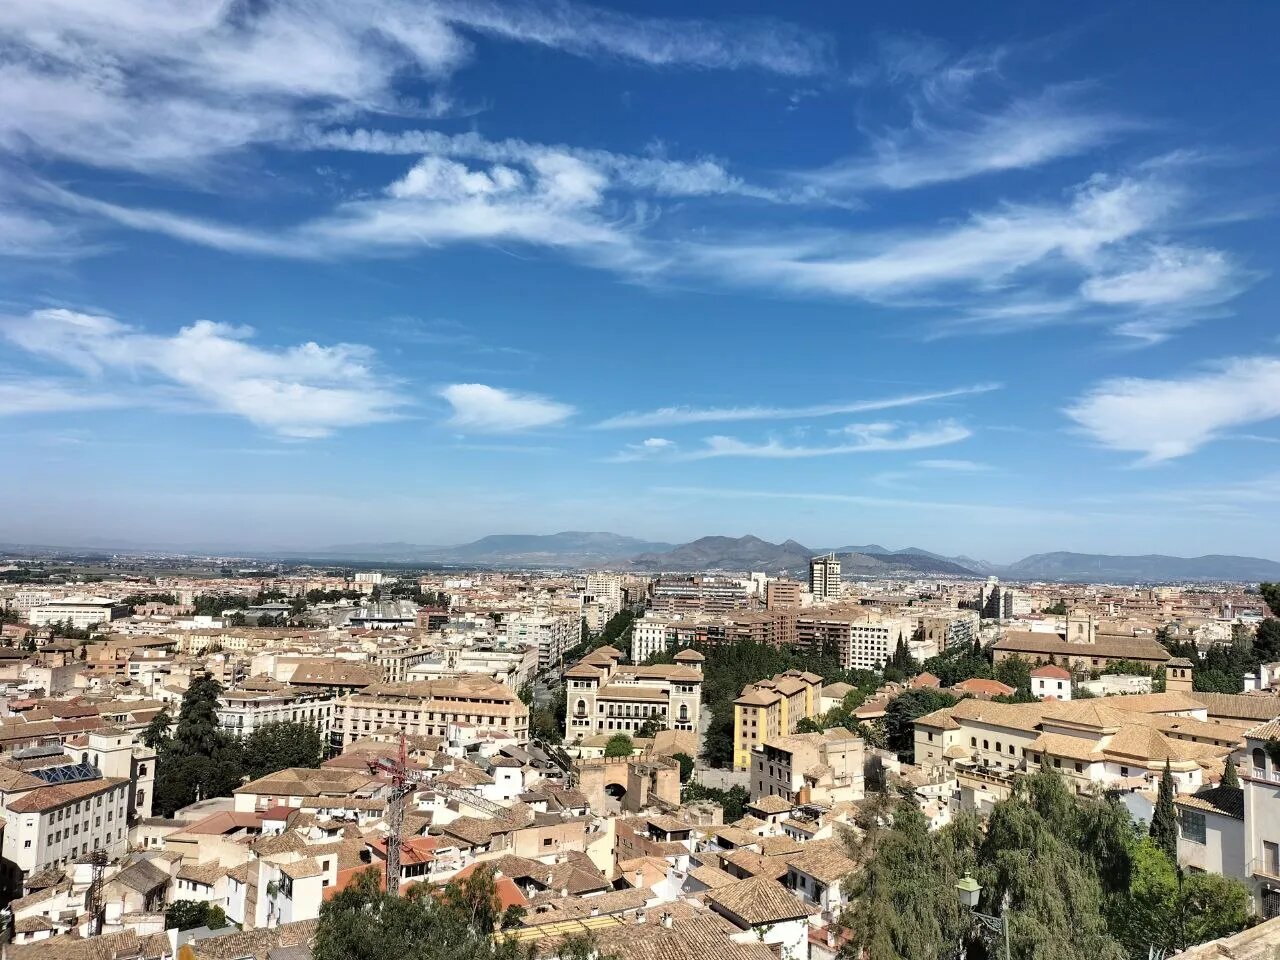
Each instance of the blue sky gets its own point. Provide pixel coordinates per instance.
(992, 279)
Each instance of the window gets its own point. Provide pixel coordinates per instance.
(1193, 823)
(1259, 762)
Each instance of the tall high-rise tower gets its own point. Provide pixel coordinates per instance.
(824, 577)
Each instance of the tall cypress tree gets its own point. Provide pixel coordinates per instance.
(1164, 822)
(1229, 776)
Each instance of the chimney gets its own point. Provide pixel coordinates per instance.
(639, 879)
(667, 920)
(595, 911)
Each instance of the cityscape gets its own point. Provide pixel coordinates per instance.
(603, 480)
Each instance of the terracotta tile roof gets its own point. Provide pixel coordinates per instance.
(1241, 706)
(981, 686)
(757, 901)
(255, 944)
(770, 805)
(712, 877)
(1228, 801)
(59, 795)
(206, 873)
(143, 876)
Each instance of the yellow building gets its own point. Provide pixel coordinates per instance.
(772, 708)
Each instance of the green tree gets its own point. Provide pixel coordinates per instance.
(1271, 594)
(278, 746)
(732, 801)
(364, 923)
(686, 766)
(902, 712)
(1171, 912)
(903, 903)
(1230, 778)
(650, 728)
(157, 731)
(619, 745)
(1058, 609)
(199, 760)
(1164, 821)
(808, 725)
(1212, 906)
(188, 914)
(1015, 672)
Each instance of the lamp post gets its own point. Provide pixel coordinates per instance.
(969, 890)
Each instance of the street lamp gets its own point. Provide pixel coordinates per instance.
(968, 890)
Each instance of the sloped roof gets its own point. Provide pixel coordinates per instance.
(758, 900)
(1227, 801)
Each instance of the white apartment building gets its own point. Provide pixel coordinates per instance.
(81, 612)
(551, 634)
(860, 639)
(397, 659)
(1261, 785)
(824, 577)
(241, 712)
(649, 636)
(513, 666)
(51, 825)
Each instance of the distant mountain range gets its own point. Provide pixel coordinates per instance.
(578, 549)
(570, 548)
(1151, 568)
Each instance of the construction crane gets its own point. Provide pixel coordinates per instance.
(93, 896)
(403, 780)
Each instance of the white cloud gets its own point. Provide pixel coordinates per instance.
(771, 45)
(673, 416)
(1026, 133)
(25, 235)
(477, 406)
(167, 85)
(301, 391)
(1163, 275)
(861, 438)
(437, 202)
(985, 250)
(656, 174)
(1166, 419)
(644, 450)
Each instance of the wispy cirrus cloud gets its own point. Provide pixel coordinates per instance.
(764, 44)
(964, 143)
(644, 450)
(855, 438)
(167, 87)
(303, 391)
(1164, 419)
(652, 173)
(675, 416)
(480, 407)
